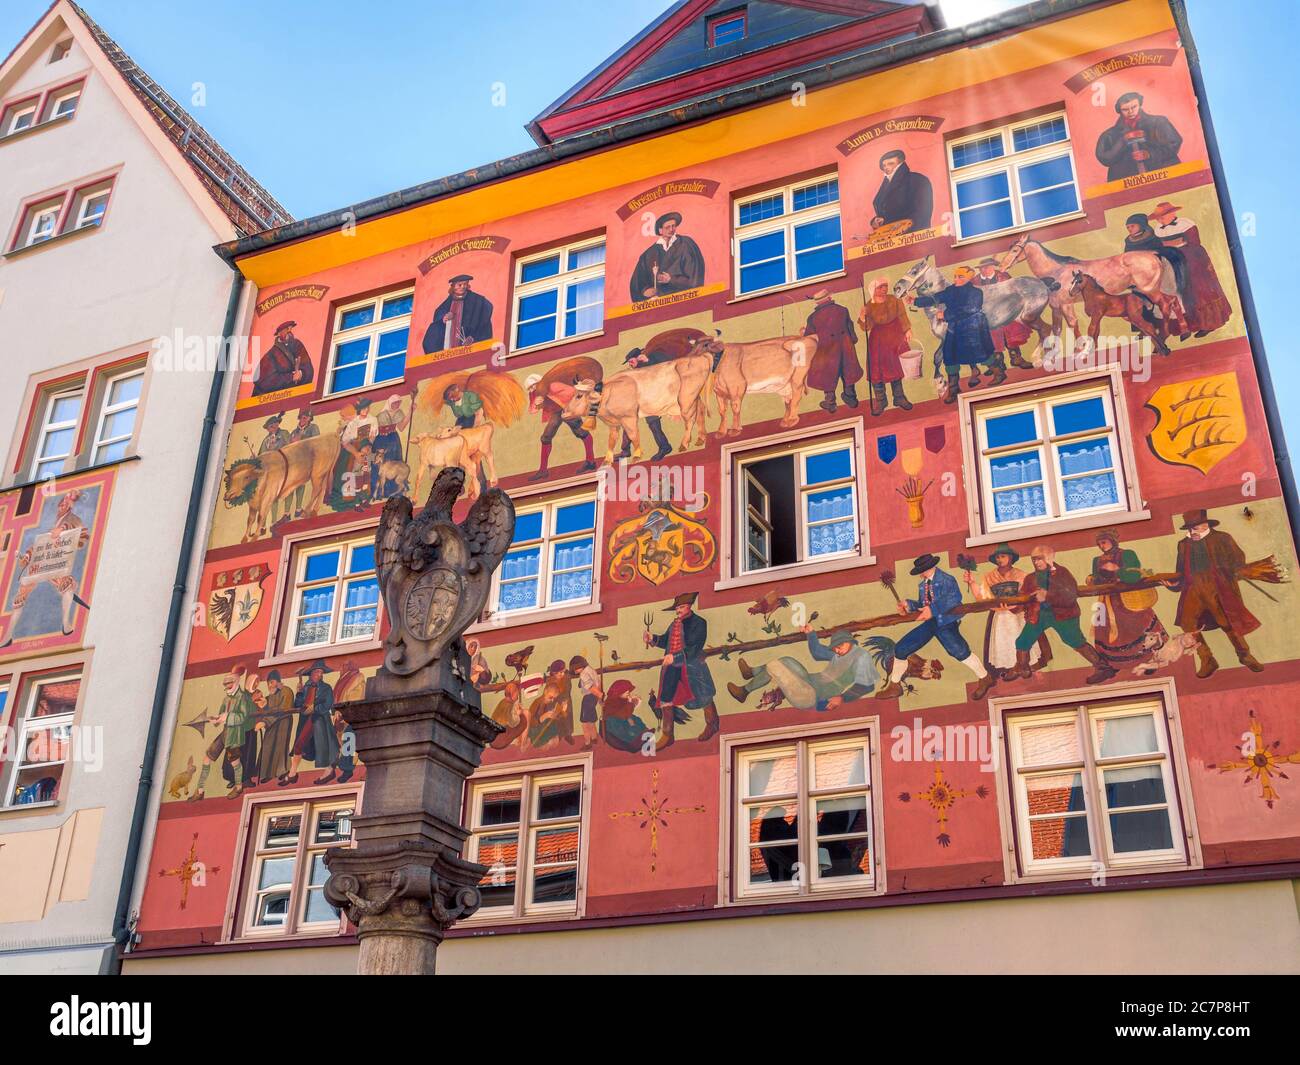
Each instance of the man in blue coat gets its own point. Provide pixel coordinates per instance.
(684, 680)
(937, 597)
(968, 340)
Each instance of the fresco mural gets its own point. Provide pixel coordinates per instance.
(674, 646)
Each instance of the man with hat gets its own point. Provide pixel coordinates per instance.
(1005, 622)
(1210, 307)
(1138, 142)
(967, 340)
(285, 365)
(1054, 605)
(1006, 338)
(1209, 564)
(673, 263)
(277, 739)
(635, 358)
(935, 601)
(235, 718)
(464, 317)
(685, 682)
(904, 195)
(275, 439)
(851, 674)
(317, 741)
(836, 357)
(304, 429)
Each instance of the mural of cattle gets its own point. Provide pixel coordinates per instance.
(263, 480)
(778, 366)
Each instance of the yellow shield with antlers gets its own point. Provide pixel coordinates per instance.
(1201, 421)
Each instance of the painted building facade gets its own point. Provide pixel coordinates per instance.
(108, 229)
(899, 521)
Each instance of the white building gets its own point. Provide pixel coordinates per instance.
(111, 198)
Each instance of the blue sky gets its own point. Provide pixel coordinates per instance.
(388, 93)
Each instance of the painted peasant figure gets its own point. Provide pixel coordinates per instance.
(967, 341)
(1005, 623)
(888, 330)
(850, 674)
(1120, 628)
(1212, 308)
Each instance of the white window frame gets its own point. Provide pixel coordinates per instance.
(1040, 403)
(371, 332)
(547, 542)
(20, 111)
(800, 454)
(526, 829)
(85, 198)
(344, 545)
(1091, 770)
(48, 427)
(785, 223)
(107, 410)
(309, 809)
(561, 282)
(33, 230)
(738, 750)
(55, 102)
(23, 728)
(1010, 162)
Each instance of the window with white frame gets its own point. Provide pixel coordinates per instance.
(369, 343)
(57, 438)
(797, 504)
(43, 730)
(18, 117)
(62, 104)
(335, 595)
(803, 819)
(527, 830)
(551, 561)
(1045, 456)
(560, 294)
(285, 870)
(89, 206)
(117, 413)
(788, 235)
(40, 223)
(1094, 786)
(1018, 175)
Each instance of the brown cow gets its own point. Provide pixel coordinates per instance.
(778, 366)
(275, 475)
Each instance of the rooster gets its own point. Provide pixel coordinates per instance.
(882, 653)
(518, 660)
(771, 602)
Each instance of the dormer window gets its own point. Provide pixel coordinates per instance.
(727, 28)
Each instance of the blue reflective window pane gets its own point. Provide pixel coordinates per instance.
(1021, 468)
(363, 558)
(348, 377)
(357, 316)
(1085, 456)
(575, 518)
(727, 30)
(535, 332)
(828, 466)
(760, 210)
(539, 305)
(831, 505)
(391, 368)
(319, 567)
(1040, 133)
(1078, 416)
(353, 351)
(815, 263)
(538, 268)
(1049, 204)
(765, 275)
(571, 554)
(1046, 174)
(528, 527)
(983, 190)
(815, 234)
(1084, 493)
(986, 219)
(519, 595)
(1010, 429)
(397, 306)
(759, 249)
(362, 593)
(978, 151)
(518, 564)
(584, 257)
(1019, 504)
(584, 320)
(391, 343)
(816, 195)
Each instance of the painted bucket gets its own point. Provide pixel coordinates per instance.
(911, 360)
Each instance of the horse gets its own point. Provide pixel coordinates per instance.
(1142, 271)
(1019, 299)
(1133, 307)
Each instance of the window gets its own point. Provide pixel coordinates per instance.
(1019, 175)
(286, 869)
(1046, 456)
(19, 116)
(335, 594)
(89, 206)
(61, 213)
(44, 734)
(61, 49)
(551, 561)
(560, 294)
(527, 830)
(117, 414)
(58, 434)
(727, 28)
(370, 341)
(1094, 787)
(40, 223)
(62, 104)
(799, 505)
(803, 821)
(788, 235)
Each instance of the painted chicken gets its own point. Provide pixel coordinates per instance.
(434, 574)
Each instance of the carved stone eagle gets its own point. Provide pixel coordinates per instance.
(435, 575)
